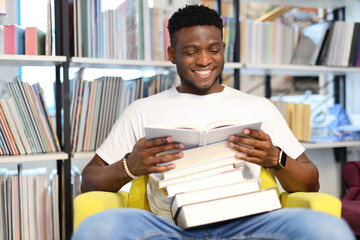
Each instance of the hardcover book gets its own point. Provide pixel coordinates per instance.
(217, 210)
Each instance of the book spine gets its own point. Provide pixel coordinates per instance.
(9, 39)
(19, 124)
(25, 118)
(8, 133)
(33, 115)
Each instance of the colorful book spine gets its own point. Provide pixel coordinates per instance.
(14, 39)
(34, 41)
(2, 46)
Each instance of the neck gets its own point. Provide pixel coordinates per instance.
(216, 89)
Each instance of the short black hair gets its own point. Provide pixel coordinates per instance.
(193, 15)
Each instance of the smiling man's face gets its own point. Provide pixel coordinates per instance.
(199, 57)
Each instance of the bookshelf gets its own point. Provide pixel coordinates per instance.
(56, 61)
(237, 67)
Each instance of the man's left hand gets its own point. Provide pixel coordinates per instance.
(256, 147)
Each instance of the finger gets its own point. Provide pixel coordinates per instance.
(150, 143)
(165, 147)
(161, 169)
(249, 142)
(257, 134)
(164, 159)
(250, 159)
(250, 152)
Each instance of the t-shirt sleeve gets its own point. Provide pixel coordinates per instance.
(120, 140)
(280, 133)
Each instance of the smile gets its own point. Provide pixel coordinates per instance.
(203, 73)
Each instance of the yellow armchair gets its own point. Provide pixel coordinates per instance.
(90, 203)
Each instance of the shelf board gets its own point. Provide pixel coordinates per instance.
(308, 3)
(308, 145)
(30, 60)
(131, 64)
(261, 69)
(33, 157)
(293, 69)
(233, 65)
(116, 63)
(82, 155)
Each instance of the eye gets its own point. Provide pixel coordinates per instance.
(190, 53)
(215, 50)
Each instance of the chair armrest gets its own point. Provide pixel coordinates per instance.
(89, 203)
(313, 200)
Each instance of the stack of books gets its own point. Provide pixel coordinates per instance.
(209, 185)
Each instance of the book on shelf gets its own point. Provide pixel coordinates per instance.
(133, 30)
(298, 118)
(34, 41)
(227, 208)
(28, 210)
(267, 42)
(49, 30)
(207, 194)
(14, 39)
(27, 111)
(310, 41)
(2, 50)
(354, 45)
(7, 134)
(3, 7)
(15, 115)
(3, 174)
(96, 105)
(193, 136)
(12, 125)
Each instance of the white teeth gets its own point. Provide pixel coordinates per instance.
(203, 72)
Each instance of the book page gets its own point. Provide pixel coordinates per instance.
(187, 136)
(194, 138)
(220, 134)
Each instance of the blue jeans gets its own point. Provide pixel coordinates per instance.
(290, 223)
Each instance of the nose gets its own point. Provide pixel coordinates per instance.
(203, 58)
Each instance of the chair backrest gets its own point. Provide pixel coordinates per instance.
(351, 180)
(138, 193)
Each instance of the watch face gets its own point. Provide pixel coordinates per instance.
(283, 158)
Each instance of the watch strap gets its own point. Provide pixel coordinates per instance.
(281, 161)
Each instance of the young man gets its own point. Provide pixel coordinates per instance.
(197, 50)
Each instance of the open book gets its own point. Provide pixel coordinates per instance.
(192, 136)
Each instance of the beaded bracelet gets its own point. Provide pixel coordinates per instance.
(127, 168)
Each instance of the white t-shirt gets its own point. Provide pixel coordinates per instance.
(173, 108)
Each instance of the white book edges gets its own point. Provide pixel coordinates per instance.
(212, 193)
(202, 213)
(235, 175)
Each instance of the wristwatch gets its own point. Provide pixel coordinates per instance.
(281, 162)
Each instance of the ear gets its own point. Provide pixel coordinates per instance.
(171, 54)
(223, 46)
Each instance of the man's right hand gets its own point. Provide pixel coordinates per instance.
(143, 160)
(100, 176)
